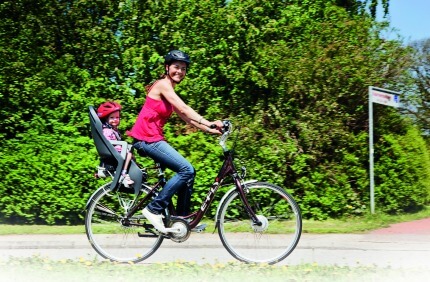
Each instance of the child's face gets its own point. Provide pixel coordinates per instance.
(114, 119)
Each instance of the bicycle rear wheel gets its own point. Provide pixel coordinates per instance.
(114, 237)
(269, 243)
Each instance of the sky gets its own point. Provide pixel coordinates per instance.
(411, 18)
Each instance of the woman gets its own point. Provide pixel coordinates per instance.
(161, 101)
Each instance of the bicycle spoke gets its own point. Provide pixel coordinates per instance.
(104, 211)
(115, 237)
(278, 233)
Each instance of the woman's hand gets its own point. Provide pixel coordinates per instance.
(219, 125)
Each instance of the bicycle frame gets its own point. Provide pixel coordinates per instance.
(119, 232)
(227, 169)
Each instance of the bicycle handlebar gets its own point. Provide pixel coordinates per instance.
(226, 125)
(226, 131)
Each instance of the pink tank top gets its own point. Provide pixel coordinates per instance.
(151, 119)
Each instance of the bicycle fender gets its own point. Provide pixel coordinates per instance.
(228, 193)
(95, 192)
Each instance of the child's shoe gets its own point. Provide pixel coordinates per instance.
(127, 181)
(100, 172)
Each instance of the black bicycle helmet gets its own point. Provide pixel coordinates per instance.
(176, 55)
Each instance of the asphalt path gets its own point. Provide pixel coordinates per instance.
(403, 246)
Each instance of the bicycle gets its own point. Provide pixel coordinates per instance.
(257, 222)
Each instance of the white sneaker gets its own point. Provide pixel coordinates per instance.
(127, 181)
(155, 219)
(101, 172)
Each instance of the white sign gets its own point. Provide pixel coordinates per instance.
(384, 98)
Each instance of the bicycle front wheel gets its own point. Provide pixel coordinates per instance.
(112, 235)
(269, 243)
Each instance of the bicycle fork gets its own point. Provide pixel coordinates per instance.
(241, 188)
(242, 194)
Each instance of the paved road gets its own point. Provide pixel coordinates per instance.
(405, 245)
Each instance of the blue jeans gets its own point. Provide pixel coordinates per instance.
(181, 183)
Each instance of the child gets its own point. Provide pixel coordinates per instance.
(109, 114)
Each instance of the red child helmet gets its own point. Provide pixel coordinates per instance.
(107, 108)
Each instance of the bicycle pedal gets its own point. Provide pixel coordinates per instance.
(199, 228)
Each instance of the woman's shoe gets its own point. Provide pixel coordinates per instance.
(155, 219)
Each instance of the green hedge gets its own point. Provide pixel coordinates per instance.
(295, 76)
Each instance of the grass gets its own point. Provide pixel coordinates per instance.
(38, 268)
(42, 269)
(346, 225)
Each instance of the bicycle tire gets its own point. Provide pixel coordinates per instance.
(110, 236)
(275, 239)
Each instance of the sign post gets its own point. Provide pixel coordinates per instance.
(383, 97)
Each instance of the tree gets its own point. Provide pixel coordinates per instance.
(359, 6)
(293, 73)
(417, 99)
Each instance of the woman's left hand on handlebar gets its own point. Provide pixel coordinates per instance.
(219, 126)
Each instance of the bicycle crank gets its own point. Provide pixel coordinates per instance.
(178, 230)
